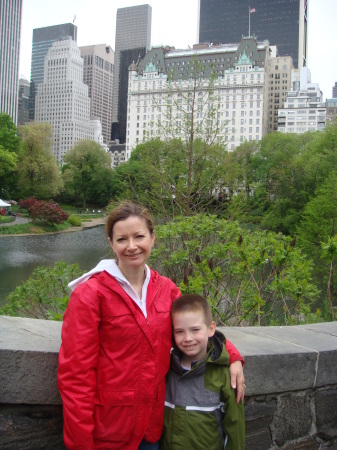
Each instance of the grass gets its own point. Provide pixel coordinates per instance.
(6, 219)
(34, 228)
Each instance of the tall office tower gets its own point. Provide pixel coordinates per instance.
(43, 39)
(238, 75)
(279, 84)
(98, 62)
(23, 103)
(10, 29)
(63, 100)
(133, 32)
(334, 90)
(282, 22)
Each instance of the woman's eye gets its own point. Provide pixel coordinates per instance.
(120, 239)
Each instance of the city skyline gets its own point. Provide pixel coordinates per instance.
(170, 27)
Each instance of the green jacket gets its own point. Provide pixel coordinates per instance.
(200, 406)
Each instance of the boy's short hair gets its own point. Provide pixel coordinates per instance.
(193, 302)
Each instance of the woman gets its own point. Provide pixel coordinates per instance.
(116, 341)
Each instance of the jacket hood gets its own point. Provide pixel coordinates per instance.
(216, 354)
(106, 265)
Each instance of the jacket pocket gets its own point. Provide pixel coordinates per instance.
(114, 415)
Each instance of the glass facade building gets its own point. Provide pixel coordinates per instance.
(282, 22)
(10, 29)
(43, 39)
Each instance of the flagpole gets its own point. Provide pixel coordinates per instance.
(249, 21)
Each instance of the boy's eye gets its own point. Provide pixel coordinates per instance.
(178, 332)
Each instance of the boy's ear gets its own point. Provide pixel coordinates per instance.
(211, 329)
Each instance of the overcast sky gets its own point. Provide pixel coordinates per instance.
(174, 22)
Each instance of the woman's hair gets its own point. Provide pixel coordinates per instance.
(127, 209)
(193, 303)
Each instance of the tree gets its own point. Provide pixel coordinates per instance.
(316, 233)
(10, 147)
(38, 173)
(281, 190)
(250, 277)
(83, 164)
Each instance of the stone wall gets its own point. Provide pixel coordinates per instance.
(291, 378)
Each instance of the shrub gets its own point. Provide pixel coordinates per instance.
(44, 295)
(75, 221)
(48, 212)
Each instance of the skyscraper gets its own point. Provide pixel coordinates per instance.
(62, 99)
(23, 101)
(98, 63)
(10, 29)
(133, 32)
(282, 22)
(43, 39)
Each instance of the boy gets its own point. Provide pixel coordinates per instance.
(200, 406)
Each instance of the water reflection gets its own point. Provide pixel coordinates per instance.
(20, 255)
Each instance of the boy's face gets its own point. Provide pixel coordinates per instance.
(191, 335)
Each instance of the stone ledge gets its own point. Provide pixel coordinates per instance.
(291, 377)
(278, 359)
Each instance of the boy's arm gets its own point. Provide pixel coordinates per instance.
(236, 370)
(234, 420)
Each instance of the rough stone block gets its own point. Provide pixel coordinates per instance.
(326, 413)
(259, 415)
(293, 418)
(28, 378)
(306, 444)
(27, 427)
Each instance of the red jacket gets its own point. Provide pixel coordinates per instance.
(113, 362)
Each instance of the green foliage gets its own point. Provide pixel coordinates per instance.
(44, 295)
(38, 173)
(10, 147)
(171, 177)
(87, 173)
(248, 277)
(9, 138)
(75, 221)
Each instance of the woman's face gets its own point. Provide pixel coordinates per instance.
(132, 242)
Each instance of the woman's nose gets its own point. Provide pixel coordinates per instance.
(131, 244)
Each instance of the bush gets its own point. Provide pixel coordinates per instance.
(75, 221)
(48, 212)
(44, 295)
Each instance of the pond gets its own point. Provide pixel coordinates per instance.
(20, 255)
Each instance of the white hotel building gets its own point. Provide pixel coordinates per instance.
(161, 84)
(63, 100)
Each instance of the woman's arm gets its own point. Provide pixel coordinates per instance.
(77, 367)
(236, 370)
